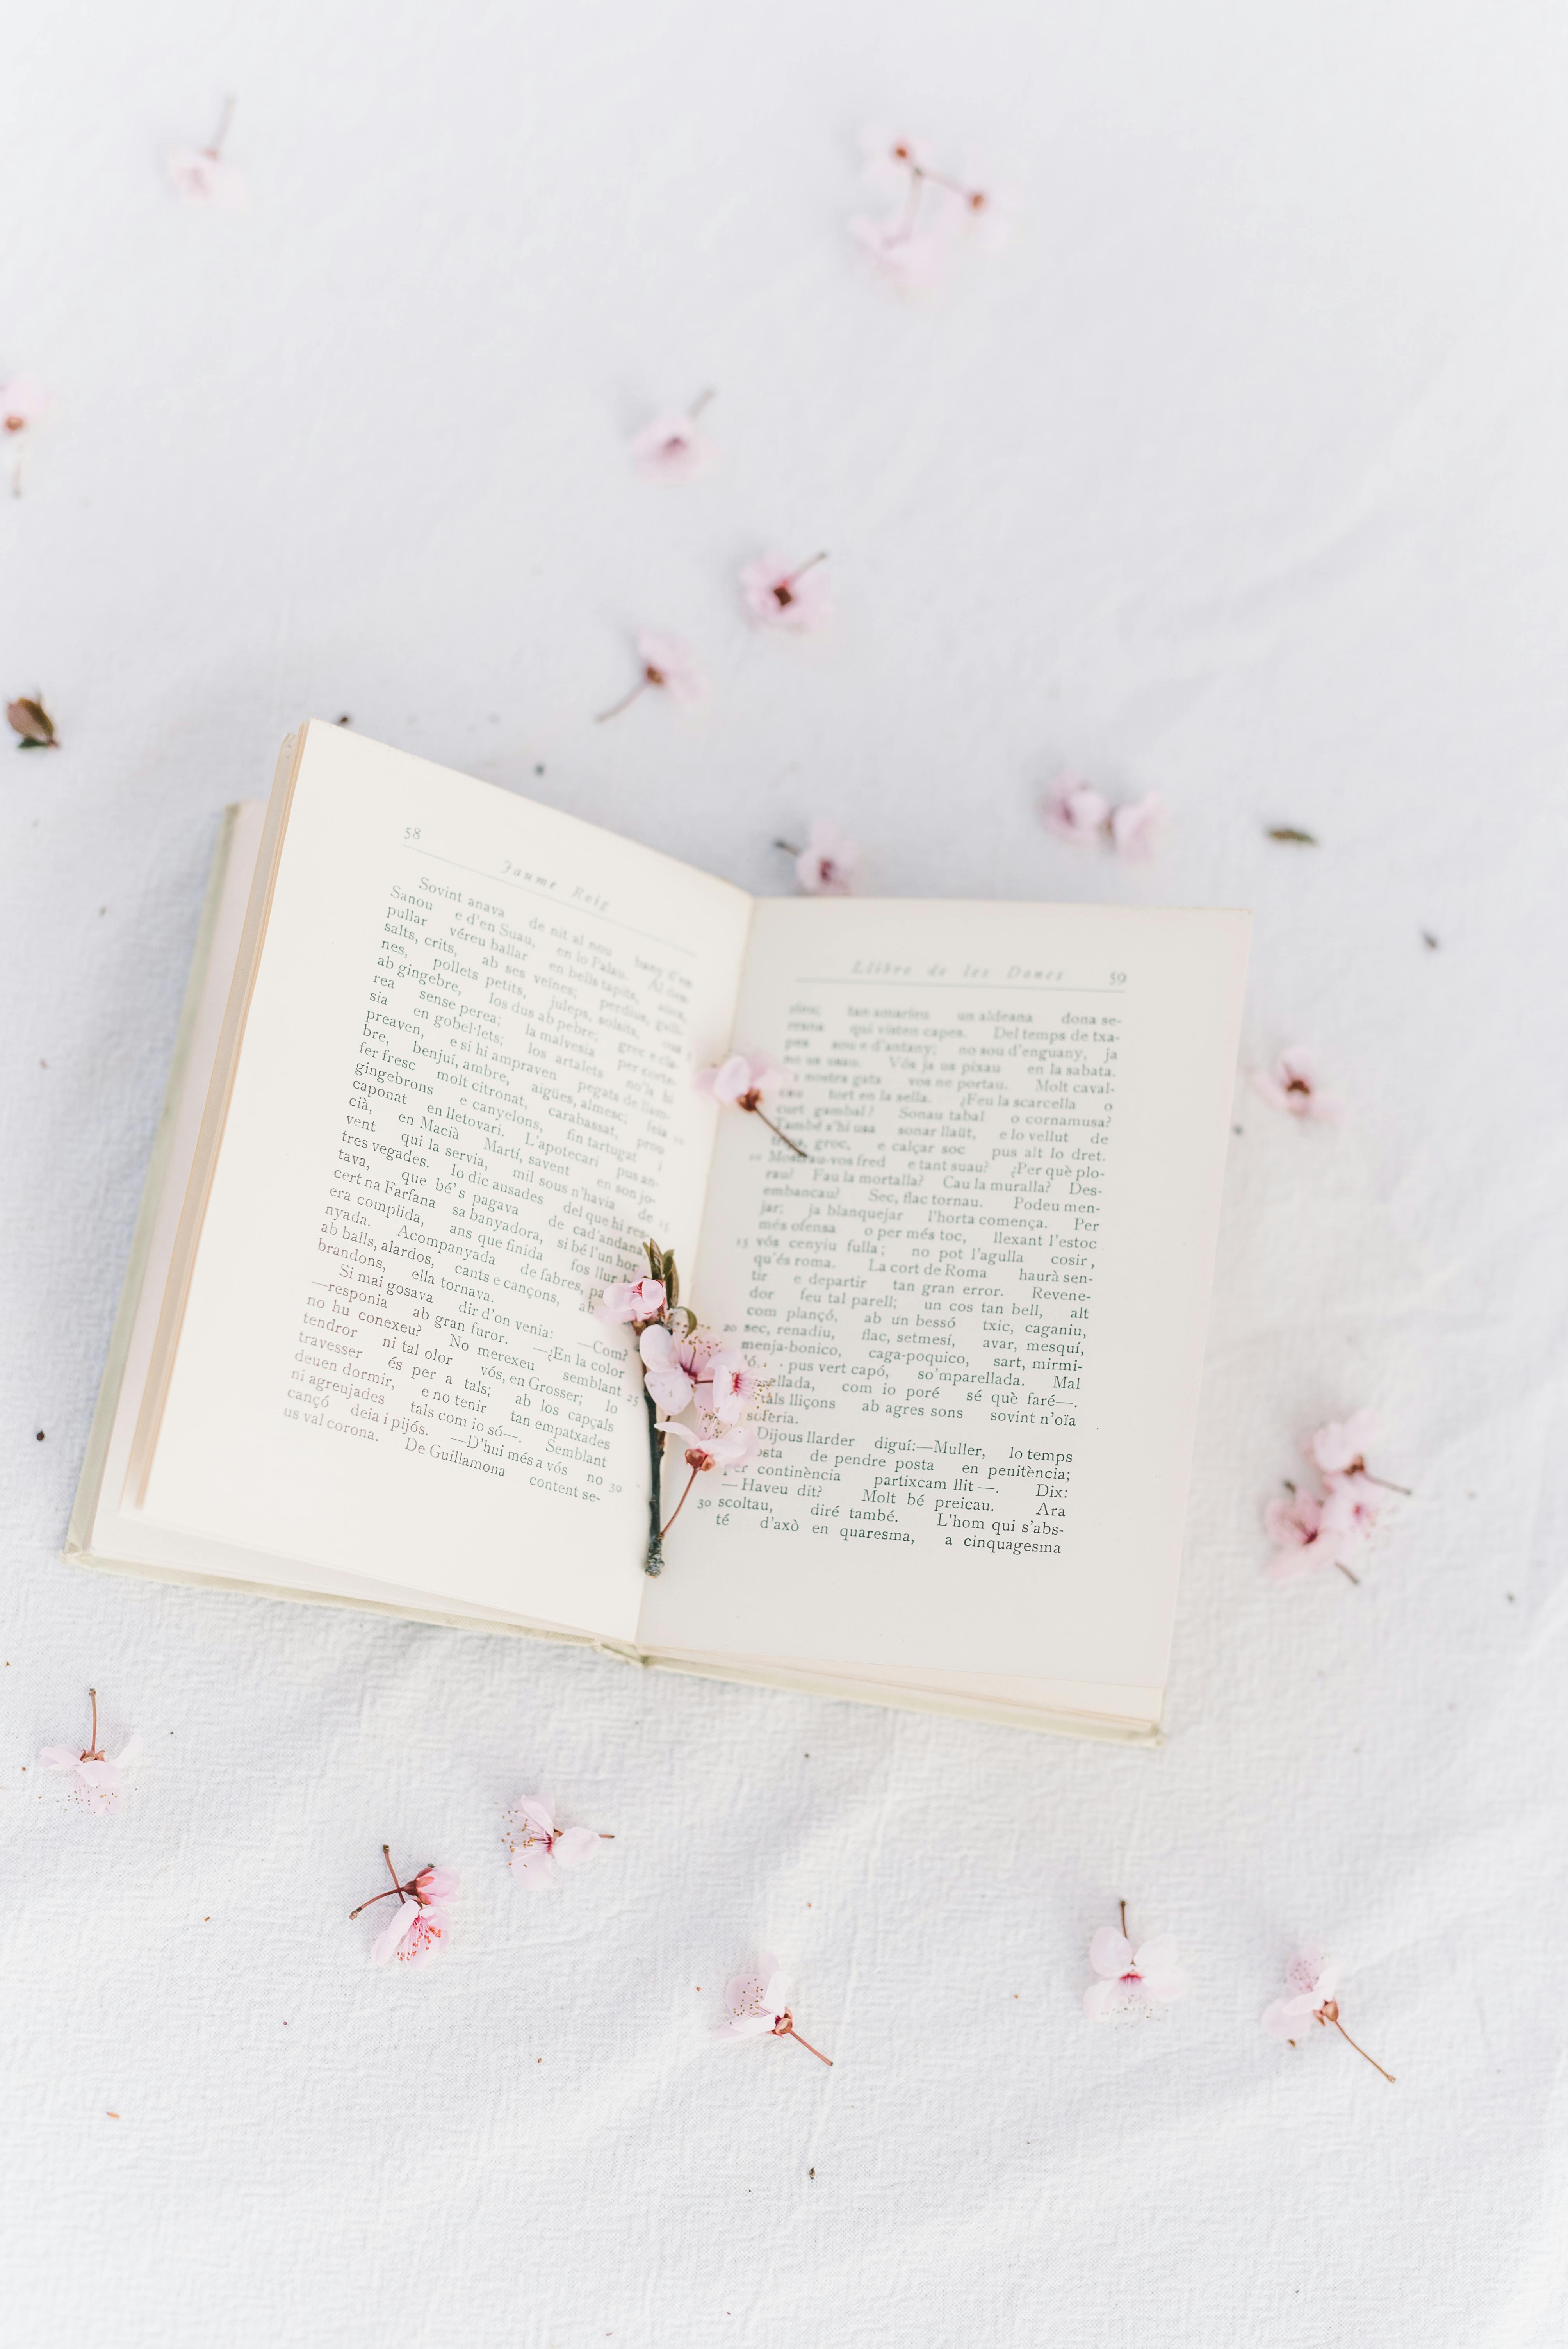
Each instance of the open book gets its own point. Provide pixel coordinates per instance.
(432, 1093)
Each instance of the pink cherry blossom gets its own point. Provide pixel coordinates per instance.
(670, 448)
(729, 1388)
(1074, 812)
(1339, 1447)
(1134, 1983)
(1307, 1537)
(538, 1846)
(22, 401)
(892, 159)
(668, 666)
(1292, 1086)
(825, 867)
(732, 1447)
(758, 2007)
(1310, 1984)
(201, 176)
(673, 1362)
(418, 1928)
(630, 1300)
(96, 1779)
(1135, 823)
(783, 594)
(744, 1082)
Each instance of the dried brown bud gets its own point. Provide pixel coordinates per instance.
(33, 724)
(1289, 831)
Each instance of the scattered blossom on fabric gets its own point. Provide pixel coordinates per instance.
(826, 866)
(670, 448)
(32, 724)
(1134, 1983)
(417, 1928)
(1074, 811)
(912, 244)
(200, 175)
(1292, 1086)
(757, 2006)
(1312, 1996)
(782, 594)
(95, 1777)
(669, 667)
(538, 1846)
(22, 401)
(1331, 1528)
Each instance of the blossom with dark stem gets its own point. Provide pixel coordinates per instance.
(1310, 1982)
(733, 1447)
(670, 448)
(825, 867)
(31, 723)
(202, 176)
(419, 1928)
(97, 1779)
(668, 666)
(758, 2006)
(782, 594)
(742, 1082)
(1133, 1983)
(538, 1847)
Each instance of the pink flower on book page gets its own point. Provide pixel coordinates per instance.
(96, 1780)
(1134, 1983)
(670, 448)
(744, 1082)
(673, 1362)
(669, 667)
(728, 1389)
(1292, 1086)
(630, 1300)
(200, 175)
(418, 1928)
(784, 594)
(1311, 1988)
(825, 867)
(1076, 812)
(1135, 826)
(538, 1846)
(758, 2007)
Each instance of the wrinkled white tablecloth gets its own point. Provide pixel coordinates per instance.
(1238, 477)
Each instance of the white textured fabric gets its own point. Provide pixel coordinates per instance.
(1240, 478)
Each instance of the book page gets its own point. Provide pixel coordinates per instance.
(980, 1301)
(463, 1099)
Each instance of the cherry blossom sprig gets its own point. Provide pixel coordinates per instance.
(1331, 1528)
(744, 1082)
(669, 667)
(670, 448)
(782, 594)
(417, 1932)
(538, 1847)
(31, 723)
(758, 2007)
(1292, 1086)
(22, 401)
(97, 1779)
(1310, 1983)
(685, 1367)
(911, 245)
(1134, 1983)
(826, 866)
(200, 175)
(1074, 811)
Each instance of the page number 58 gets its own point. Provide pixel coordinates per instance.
(410, 832)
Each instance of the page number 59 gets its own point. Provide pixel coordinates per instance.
(1118, 979)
